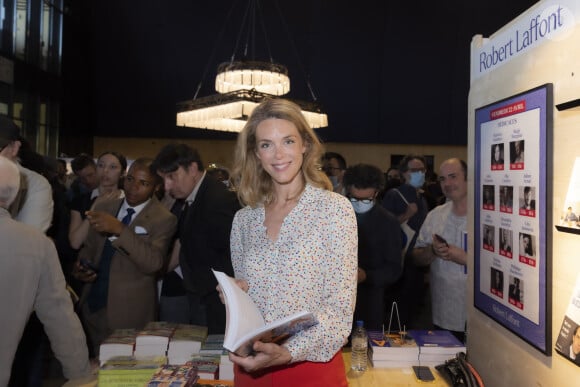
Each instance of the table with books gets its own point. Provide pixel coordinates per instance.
(183, 353)
(379, 377)
(392, 357)
(161, 353)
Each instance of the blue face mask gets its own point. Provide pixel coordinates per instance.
(361, 208)
(334, 181)
(417, 179)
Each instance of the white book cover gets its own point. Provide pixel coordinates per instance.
(245, 324)
(568, 341)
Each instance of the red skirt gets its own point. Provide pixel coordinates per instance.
(303, 374)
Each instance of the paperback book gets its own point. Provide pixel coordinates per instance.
(437, 342)
(153, 340)
(392, 350)
(120, 343)
(185, 341)
(567, 343)
(184, 375)
(213, 345)
(245, 324)
(207, 366)
(129, 371)
(436, 346)
(226, 371)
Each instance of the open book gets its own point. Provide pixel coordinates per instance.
(245, 324)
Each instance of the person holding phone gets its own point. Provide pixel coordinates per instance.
(439, 245)
(125, 249)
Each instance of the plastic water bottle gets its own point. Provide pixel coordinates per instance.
(359, 345)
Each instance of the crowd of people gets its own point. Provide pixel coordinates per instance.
(298, 228)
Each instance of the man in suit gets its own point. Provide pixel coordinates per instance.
(124, 251)
(204, 231)
(31, 280)
(488, 236)
(575, 346)
(506, 197)
(497, 154)
(529, 201)
(506, 240)
(514, 290)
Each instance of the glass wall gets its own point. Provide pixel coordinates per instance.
(31, 46)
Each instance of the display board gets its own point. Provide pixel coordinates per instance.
(511, 265)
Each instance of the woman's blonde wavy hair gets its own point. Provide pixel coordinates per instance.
(253, 184)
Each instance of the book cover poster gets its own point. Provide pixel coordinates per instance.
(568, 341)
(511, 259)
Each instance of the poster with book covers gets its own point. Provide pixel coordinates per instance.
(511, 263)
(568, 341)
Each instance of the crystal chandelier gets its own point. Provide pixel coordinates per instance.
(241, 86)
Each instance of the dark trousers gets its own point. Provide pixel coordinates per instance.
(408, 293)
(28, 367)
(207, 310)
(174, 309)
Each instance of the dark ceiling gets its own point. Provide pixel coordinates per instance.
(385, 72)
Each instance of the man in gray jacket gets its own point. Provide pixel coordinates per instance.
(31, 280)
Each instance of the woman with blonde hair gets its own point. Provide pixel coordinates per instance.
(294, 248)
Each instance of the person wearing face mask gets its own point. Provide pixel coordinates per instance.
(379, 244)
(334, 165)
(393, 180)
(408, 204)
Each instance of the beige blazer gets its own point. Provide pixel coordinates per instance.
(141, 251)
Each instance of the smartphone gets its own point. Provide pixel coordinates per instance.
(423, 374)
(88, 266)
(440, 239)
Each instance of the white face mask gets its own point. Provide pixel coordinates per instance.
(361, 208)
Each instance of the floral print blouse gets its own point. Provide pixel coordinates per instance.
(311, 266)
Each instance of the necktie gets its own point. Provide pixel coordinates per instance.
(97, 298)
(182, 219)
(177, 207)
(127, 218)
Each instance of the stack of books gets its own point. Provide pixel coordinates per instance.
(185, 342)
(129, 371)
(226, 367)
(153, 340)
(120, 343)
(213, 345)
(392, 350)
(436, 346)
(207, 366)
(184, 375)
(415, 347)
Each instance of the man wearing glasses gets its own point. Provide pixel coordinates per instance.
(408, 204)
(334, 165)
(379, 244)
